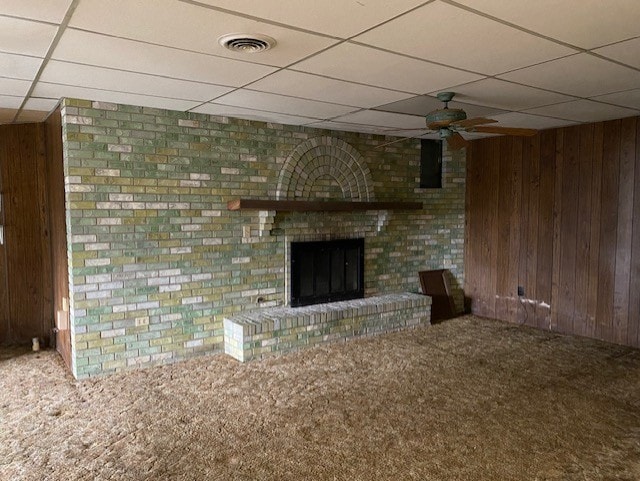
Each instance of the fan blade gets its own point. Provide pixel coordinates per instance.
(490, 129)
(473, 122)
(456, 141)
(404, 130)
(398, 140)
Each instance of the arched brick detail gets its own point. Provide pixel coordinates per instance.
(323, 157)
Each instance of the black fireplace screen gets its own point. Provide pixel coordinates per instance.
(326, 271)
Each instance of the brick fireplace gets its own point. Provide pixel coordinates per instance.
(157, 261)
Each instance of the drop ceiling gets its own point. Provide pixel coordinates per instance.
(359, 65)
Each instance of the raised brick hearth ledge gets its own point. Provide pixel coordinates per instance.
(266, 332)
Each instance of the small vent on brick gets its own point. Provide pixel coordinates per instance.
(247, 42)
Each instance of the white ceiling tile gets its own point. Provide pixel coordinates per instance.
(584, 111)
(7, 115)
(324, 89)
(14, 87)
(48, 11)
(40, 104)
(118, 80)
(19, 66)
(25, 37)
(476, 43)
(628, 98)
(281, 104)
(187, 26)
(384, 119)
(382, 69)
(28, 116)
(100, 50)
(10, 102)
(249, 114)
(626, 52)
(506, 95)
(529, 121)
(581, 75)
(56, 91)
(341, 18)
(584, 23)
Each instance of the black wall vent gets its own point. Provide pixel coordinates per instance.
(431, 164)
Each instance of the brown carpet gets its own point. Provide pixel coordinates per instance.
(468, 399)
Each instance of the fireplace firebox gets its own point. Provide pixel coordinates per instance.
(326, 271)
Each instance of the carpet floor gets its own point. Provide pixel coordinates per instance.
(467, 399)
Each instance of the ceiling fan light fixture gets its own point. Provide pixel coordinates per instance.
(247, 42)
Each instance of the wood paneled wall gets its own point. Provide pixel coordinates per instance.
(559, 215)
(59, 263)
(25, 258)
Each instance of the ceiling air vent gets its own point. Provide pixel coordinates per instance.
(247, 42)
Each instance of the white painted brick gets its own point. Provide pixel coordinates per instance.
(108, 172)
(108, 205)
(99, 278)
(109, 221)
(199, 176)
(190, 227)
(97, 262)
(105, 106)
(81, 188)
(121, 197)
(170, 288)
(81, 238)
(212, 242)
(188, 123)
(191, 300)
(119, 148)
(112, 333)
(79, 120)
(133, 205)
(98, 246)
(190, 183)
(240, 260)
(148, 305)
(194, 343)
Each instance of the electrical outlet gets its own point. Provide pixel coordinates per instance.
(520, 291)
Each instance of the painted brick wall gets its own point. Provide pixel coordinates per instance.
(156, 259)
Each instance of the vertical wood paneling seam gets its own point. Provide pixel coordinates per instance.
(633, 330)
(45, 233)
(514, 237)
(625, 231)
(493, 227)
(4, 274)
(584, 227)
(594, 254)
(608, 229)
(557, 237)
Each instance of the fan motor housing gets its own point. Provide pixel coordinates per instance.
(443, 117)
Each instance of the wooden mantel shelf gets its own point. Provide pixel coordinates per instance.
(318, 206)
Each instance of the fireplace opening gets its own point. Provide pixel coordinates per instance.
(326, 271)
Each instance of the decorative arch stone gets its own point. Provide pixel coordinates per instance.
(323, 157)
